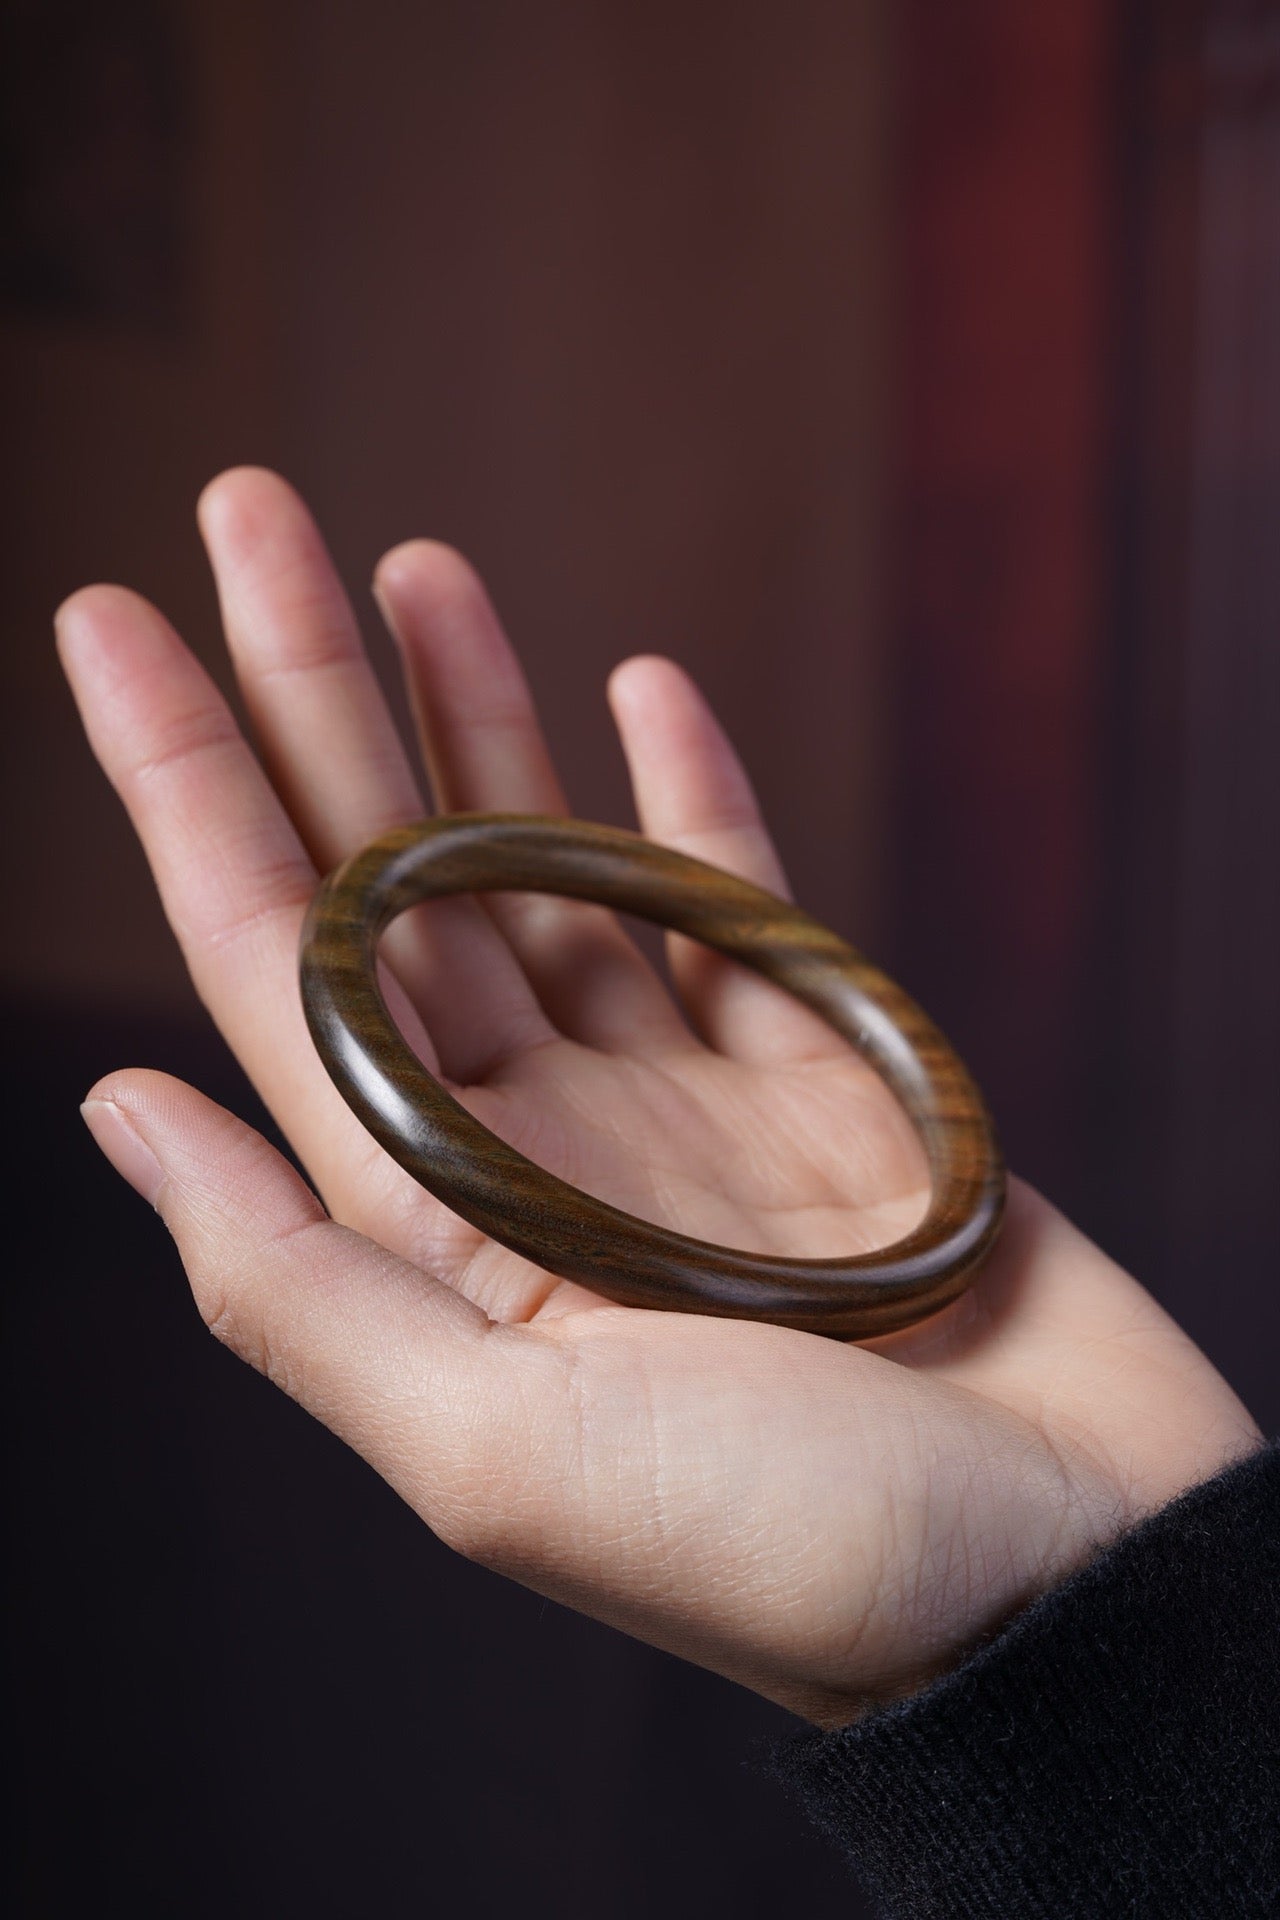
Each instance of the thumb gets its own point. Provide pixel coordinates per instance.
(382, 1353)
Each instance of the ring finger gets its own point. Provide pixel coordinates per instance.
(485, 752)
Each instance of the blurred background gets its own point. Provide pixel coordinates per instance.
(910, 372)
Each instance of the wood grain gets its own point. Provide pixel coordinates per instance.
(570, 1233)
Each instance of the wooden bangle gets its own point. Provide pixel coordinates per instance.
(567, 1232)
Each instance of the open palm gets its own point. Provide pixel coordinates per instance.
(829, 1524)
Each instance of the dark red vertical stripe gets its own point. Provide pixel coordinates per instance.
(1004, 248)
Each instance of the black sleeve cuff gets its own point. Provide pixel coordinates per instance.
(1115, 1750)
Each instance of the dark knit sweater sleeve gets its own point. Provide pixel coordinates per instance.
(1115, 1750)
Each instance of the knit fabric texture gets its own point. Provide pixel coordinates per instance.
(1115, 1750)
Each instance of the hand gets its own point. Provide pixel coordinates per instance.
(828, 1524)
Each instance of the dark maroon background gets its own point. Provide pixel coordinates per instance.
(911, 372)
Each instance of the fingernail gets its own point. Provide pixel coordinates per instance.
(124, 1147)
(384, 608)
(66, 622)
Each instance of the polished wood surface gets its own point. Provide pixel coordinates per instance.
(570, 1233)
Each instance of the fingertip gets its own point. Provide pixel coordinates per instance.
(395, 575)
(136, 1116)
(690, 787)
(120, 1141)
(230, 491)
(211, 1163)
(217, 495)
(406, 553)
(662, 715)
(243, 510)
(623, 678)
(458, 658)
(107, 1088)
(93, 624)
(646, 685)
(639, 668)
(73, 621)
(157, 1105)
(87, 605)
(430, 571)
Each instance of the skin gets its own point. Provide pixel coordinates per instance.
(831, 1525)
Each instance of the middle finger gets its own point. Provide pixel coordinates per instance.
(337, 761)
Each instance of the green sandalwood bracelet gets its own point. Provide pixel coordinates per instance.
(567, 1232)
